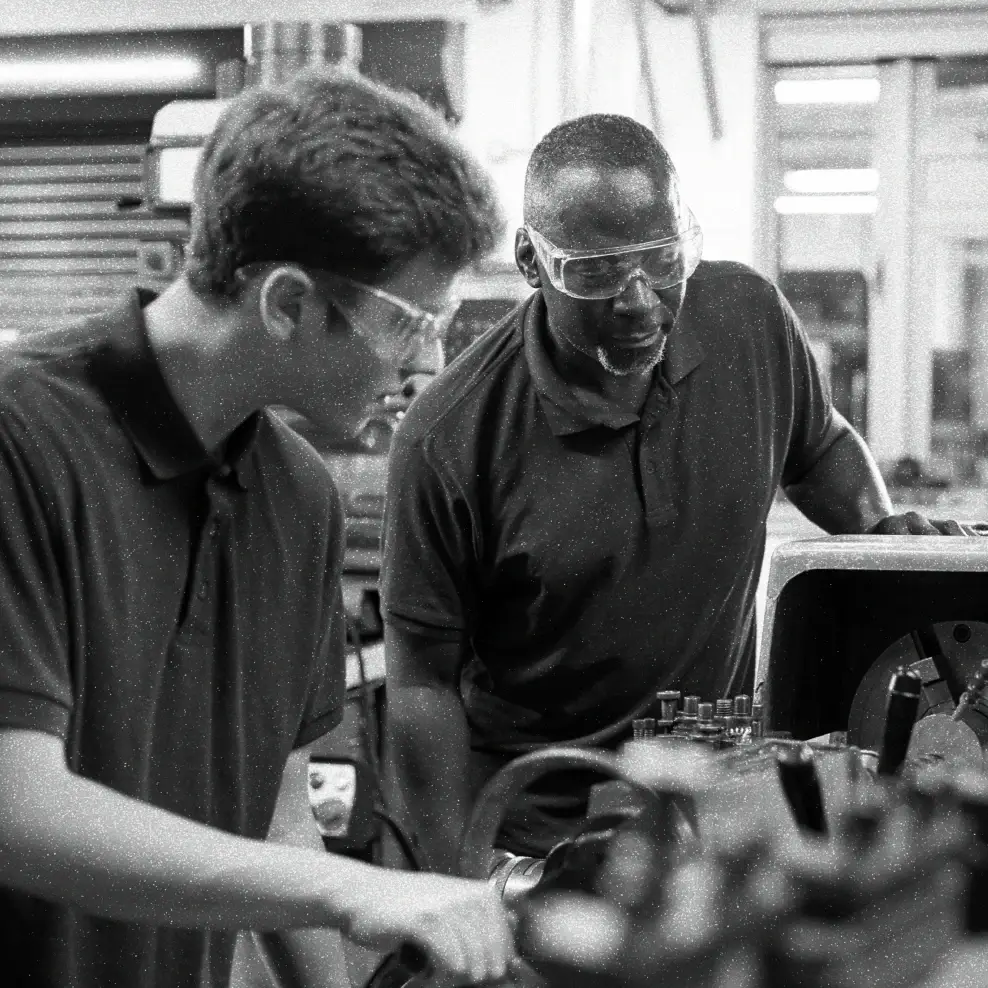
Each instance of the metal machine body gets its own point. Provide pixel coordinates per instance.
(843, 613)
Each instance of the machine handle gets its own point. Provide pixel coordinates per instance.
(900, 715)
(797, 775)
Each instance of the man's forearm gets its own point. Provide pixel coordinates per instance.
(427, 765)
(82, 844)
(844, 493)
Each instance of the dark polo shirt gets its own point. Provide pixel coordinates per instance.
(590, 557)
(176, 621)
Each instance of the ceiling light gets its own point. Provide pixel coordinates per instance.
(827, 90)
(8, 335)
(797, 205)
(97, 74)
(808, 181)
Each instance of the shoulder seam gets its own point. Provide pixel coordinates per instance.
(429, 424)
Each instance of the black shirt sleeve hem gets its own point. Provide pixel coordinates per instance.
(427, 629)
(33, 712)
(314, 729)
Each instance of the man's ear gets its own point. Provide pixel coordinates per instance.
(280, 298)
(525, 258)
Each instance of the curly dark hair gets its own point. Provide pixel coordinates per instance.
(338, 172)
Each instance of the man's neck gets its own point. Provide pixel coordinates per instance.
(583, 373)
(195, 342)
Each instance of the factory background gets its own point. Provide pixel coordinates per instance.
(837, 145)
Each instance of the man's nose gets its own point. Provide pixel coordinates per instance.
(638, 297)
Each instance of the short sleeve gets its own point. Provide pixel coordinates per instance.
(35, 681)
(814, 427)
(324, 704)
(427, 573)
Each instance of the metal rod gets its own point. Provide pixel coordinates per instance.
(701, 22)
(645, 61)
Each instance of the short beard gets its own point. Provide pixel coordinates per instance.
(638, 365)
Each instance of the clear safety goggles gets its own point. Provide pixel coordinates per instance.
(596, 274)
(395, 329)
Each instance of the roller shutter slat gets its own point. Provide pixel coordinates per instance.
(66, 249)
(58, 210)
(69, 152)
(82, 172)
(61, 284)
(66, 229)
(83, 265)
(66, 191)
(39, 307)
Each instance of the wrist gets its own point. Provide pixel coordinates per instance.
(343, 885)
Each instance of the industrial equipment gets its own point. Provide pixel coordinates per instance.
(843, 613)
(830, 831)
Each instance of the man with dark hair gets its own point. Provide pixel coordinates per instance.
(577, 506)
(171, 626)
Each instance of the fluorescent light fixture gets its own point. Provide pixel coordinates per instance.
(827, 90)
(8, 335)
(824, 205)
(97, 74)
(811, 181)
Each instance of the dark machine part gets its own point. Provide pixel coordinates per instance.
(571, 863)
(801, 787)
(877, 901)
(973, 791)
(962, 648)
(900, 715)
(720, 723)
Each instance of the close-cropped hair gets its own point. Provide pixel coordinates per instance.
(594, 140)
(336, 172)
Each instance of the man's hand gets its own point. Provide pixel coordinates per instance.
(460, 924)
(913, 523)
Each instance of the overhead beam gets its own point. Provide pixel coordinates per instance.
(85, 17)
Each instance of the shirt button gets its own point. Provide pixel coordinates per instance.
(224, 471)
(214, 529)
(203, 591)
(650, 468)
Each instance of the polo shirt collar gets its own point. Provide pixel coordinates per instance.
(683, 352)
(124, 367)
(568, 413)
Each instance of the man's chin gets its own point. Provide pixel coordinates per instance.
(628, 361)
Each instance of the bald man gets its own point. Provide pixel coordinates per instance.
(577, 506)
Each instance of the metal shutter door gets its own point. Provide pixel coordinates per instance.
(66, 250)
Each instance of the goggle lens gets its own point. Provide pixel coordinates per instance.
(608, 275)
(605, 274)
(396, 331)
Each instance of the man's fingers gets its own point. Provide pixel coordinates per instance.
(918, 525)
(476, 947)
(497, 942)
(445, 948)
(892, 525)
(948, 527)
(910, 523)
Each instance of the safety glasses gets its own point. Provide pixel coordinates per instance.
(597, 274)
(392, 327)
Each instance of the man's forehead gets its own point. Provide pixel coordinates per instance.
(588, 206)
